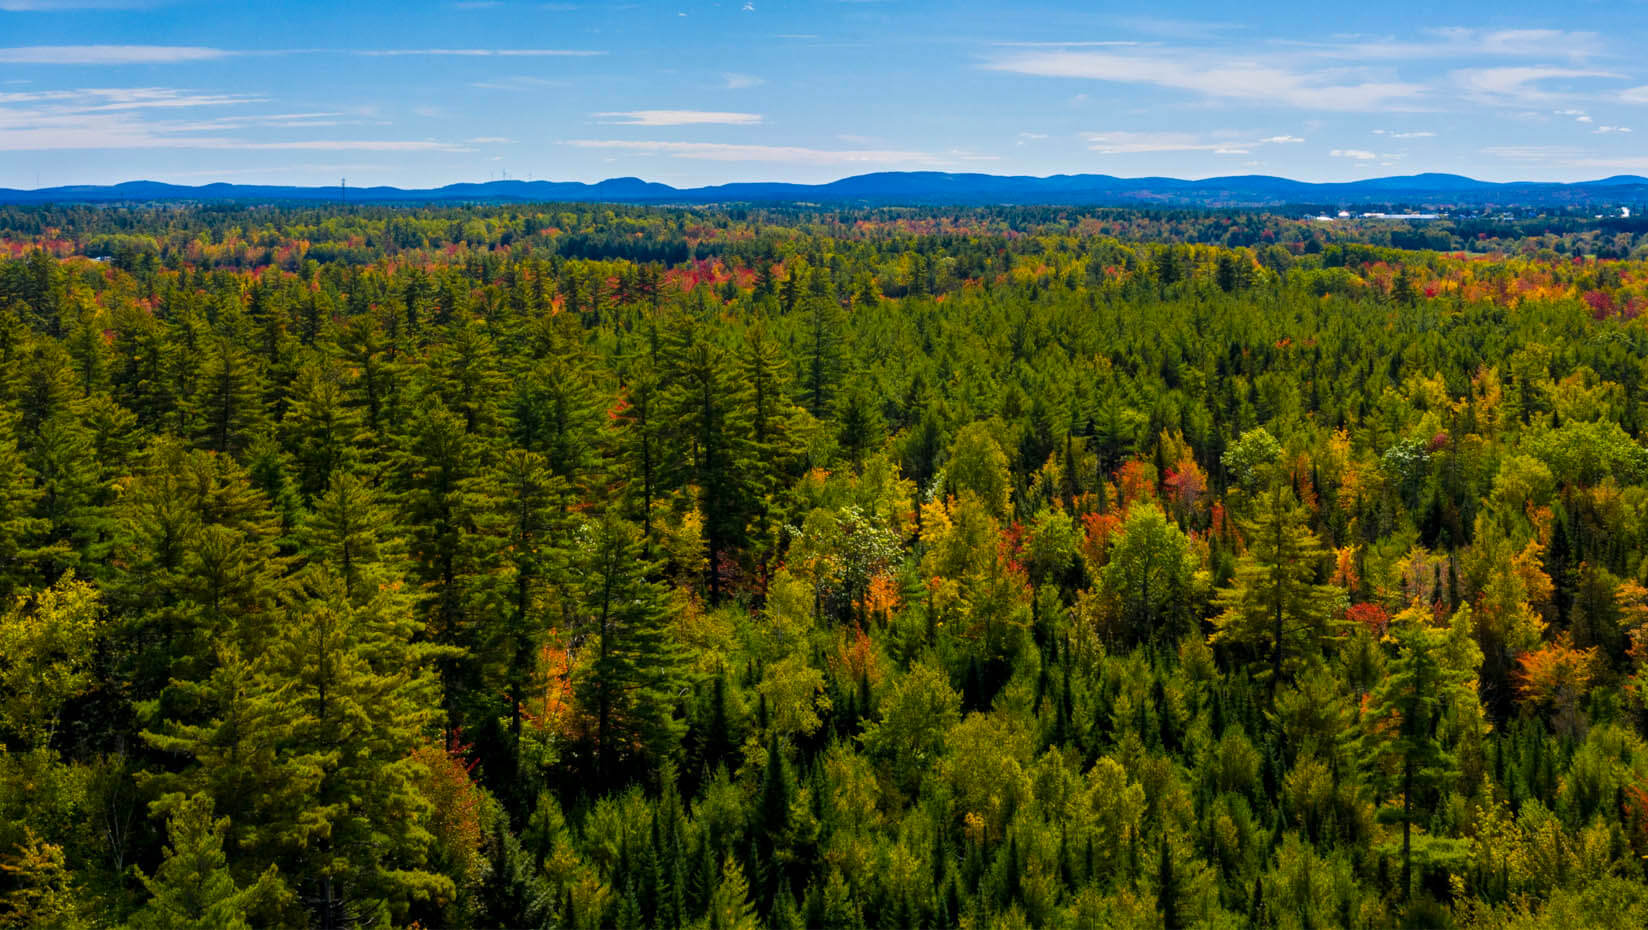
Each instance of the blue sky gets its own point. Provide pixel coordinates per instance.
(415, 94)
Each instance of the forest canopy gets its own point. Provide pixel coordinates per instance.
(586, 566)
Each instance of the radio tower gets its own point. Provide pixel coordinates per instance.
(343, 190)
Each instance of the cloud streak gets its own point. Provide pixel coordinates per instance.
(785, 154)
(108, 54)
(120, 118)
(1231, 79)
(1136, 143)
(679, 118)
(481, 52)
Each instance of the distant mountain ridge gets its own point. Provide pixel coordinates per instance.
(914, 188)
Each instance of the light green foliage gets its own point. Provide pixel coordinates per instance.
(47, 644)
(978, 466)
(915, 719)
(1274, 610)
(1151, 580)
(192, 889)
(1249, 456)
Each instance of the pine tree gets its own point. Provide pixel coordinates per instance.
(557, 414)
(530, 496)
(1168, 891)
(375, 387)
(824, 355)
(354, 535)
(1434, 672)
(463, 372)
(444, 502)
(773, 446)
(320, 428)
(862, 428)
(20, 529)
(71, 505)
(730, 907)
(193, 888)
(1274, 607)
(198, 566)
(228, 403)
(630, 686)
(361, 696)
(642, 425)
(711, 436)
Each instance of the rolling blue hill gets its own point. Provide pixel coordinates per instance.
(910, 188)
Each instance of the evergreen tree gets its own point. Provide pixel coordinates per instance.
(354, 535)
(630, 685)
(320, 428)
(824, 358)
(20, 530)
(193, 888)
(730, 907)
(1274, 607)
(713, 455)
(228, 401)
(1432, 675)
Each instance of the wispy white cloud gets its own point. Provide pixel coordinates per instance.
(1604, 130)
(482, 52)
(1391, 134)
(786, 154)
(735, 81)
(1356, 154)
(679, 118)
(1459, 42)
(108, 54)
(1219, 77)
(519, 83)
(1522, 85)
(1109, 43)
(1134, 143)
(61, 6)
(123, 118)
(1526, 67)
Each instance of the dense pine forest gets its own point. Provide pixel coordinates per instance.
(616, 567)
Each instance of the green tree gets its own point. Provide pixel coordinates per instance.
(1432, 675)
(228, 402)
(320, 428)
(355, 535)
(193, 888)
(915, 717)
(20, 529)
(361, 696)
(1274, 607)
(631, 684)
(1150, 579)
(47, 645)
(824, 354)
(712, 447)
